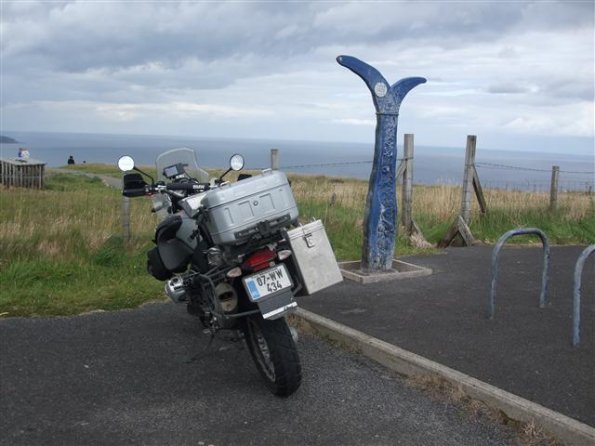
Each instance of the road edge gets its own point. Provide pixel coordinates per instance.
(569, 430)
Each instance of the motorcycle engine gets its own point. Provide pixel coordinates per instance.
(176, 290)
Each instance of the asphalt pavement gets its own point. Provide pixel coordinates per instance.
(145, 376)
(525, 350)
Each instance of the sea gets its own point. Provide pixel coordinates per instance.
(507, 169)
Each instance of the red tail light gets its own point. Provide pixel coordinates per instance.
(259, 260)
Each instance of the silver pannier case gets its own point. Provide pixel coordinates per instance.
(238, 211)
(314, 257)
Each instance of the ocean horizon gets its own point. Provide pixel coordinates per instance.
(508, 169)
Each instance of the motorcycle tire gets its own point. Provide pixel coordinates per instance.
(275, 354)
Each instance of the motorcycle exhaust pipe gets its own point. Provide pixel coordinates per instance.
(226, 302)
(226, 298)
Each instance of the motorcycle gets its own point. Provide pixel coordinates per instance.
(235, 254)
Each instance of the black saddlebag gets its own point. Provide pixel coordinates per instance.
(155, 265)
(170, 255)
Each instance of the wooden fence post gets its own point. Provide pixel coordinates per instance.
(407, 190)
(468, 178)
(483, 207)
(405, 174)
(470, 184)
(275, 159)
(554, 187)
(126, 220)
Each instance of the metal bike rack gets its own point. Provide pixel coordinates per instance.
(496, 252)
(576, 302)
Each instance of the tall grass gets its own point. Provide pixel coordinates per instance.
(73, 217)
(61, 253)
(340, 204)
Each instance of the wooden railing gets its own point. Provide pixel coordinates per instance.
(22, 173)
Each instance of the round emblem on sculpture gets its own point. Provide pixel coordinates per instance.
(380, 89)
(255, 202)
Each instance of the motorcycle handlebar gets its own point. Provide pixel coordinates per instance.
(134, 192)
(188, 187)
(184, 187)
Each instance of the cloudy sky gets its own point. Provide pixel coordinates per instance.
(519, 74)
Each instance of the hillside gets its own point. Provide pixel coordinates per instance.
(7, 140)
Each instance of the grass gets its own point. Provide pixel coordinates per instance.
(439, 389)
(340, 204)
(95, 168)
(60, 252)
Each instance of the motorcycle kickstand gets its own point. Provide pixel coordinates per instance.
(207, 349)
(235, 338)
(211, 339)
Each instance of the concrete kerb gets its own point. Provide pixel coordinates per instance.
(568, 430)
(400, 270)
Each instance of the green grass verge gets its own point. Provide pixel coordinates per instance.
(44, 287)
(59, 254)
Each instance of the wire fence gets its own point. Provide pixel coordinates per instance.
(491, 175)
(334, 164)
(540, 180)
(540, 186)
(528, 169)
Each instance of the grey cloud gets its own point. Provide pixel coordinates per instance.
(570, 89)
(558, 15)
(548, 91)
(508, 88)
(75, 37)
(445, 24)
(129, 52)
(82, 36)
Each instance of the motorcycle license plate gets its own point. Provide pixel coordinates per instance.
(267, 282)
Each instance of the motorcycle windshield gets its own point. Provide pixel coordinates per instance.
(182, 155)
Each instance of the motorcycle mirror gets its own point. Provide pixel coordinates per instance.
(236, 162)
(126, 163)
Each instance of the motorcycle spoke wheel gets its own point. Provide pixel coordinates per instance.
(275, 354)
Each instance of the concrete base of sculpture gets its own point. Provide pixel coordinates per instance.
(399, 270)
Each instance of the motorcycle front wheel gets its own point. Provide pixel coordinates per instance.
(274, 352)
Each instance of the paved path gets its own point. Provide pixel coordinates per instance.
(524, 350)
(107, 180)
(143, 377)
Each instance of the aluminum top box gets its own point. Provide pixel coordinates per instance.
(236, 211)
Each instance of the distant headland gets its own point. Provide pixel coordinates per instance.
(7, 140)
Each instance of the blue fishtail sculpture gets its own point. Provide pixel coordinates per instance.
(380, 217)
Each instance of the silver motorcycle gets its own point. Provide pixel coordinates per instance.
(235, 254)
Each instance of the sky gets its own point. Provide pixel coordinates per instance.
(518, 74)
